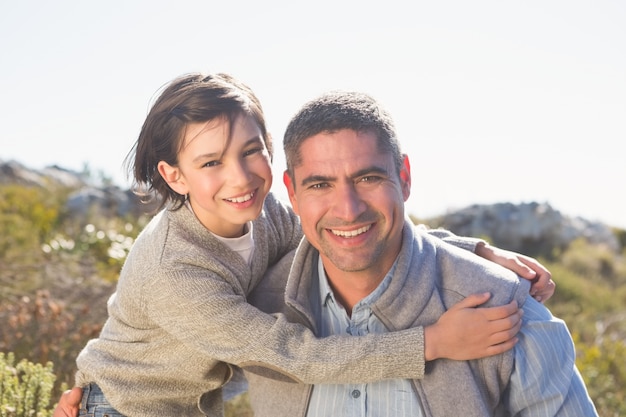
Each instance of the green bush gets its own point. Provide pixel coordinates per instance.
(27, 217)
(56, 273)
(106, 247)
(25, 388)
(43, 330)
(602, 367)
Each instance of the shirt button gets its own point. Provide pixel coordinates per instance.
(356, 393)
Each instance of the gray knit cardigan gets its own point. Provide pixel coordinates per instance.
(429, 278)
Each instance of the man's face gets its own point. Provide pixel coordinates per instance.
(350, 200)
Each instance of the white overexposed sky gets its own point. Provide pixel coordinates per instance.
(494, 101)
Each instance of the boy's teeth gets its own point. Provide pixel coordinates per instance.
(351, 233)
(241, 199)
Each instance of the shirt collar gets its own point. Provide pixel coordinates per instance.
(326, 292)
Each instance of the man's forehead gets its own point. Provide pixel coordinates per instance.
(332, 157)
(344, 141)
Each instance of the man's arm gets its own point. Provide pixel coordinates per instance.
(465, 332)
(545, 380)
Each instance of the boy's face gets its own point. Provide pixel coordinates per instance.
(350, 200)
(227, 182)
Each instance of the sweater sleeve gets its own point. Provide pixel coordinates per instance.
(280, 226)
(204, 311)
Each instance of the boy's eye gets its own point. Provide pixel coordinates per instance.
(252, 151)
(212, 164)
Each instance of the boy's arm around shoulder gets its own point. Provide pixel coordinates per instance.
(280, 226)
(269, 294)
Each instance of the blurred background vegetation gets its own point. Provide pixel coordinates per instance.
(57, 271)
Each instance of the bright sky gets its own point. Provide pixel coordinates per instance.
(495, 101)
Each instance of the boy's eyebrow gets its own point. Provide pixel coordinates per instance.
(206, 156)
(255, 139)
(252, 140)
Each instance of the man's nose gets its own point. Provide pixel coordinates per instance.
(347, 203)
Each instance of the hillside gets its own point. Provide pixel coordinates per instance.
(65, 236)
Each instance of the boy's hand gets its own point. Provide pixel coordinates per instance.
(69, 404)
(465, 332)
(542, 287)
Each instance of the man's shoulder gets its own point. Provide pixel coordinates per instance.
(462, 273)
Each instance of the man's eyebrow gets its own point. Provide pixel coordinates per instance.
(360, 173)
(315, 179)
(371, 170)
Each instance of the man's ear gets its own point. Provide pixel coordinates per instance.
(405, 177)
(172, 176)
(291, 191)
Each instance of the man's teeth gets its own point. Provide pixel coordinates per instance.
(351, 233)
(241, 199)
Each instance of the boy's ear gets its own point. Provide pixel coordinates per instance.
(172, 176)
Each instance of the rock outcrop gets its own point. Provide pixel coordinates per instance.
(530, 228)
(85, 197)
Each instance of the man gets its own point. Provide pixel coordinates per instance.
(363, 268)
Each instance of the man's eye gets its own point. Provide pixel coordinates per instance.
(371, 178)
(319, 185)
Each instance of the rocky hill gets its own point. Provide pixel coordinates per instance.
(109, 200)
(530, 228)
